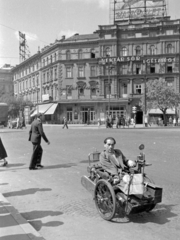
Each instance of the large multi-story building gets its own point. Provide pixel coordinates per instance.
(6, 81)
(90, 76)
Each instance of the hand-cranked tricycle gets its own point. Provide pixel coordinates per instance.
(134, 193)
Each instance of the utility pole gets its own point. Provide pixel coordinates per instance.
(37, 100)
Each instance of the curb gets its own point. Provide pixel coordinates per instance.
(9, 215)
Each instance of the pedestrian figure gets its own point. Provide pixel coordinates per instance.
(170, 120)
(17, 123)
(117, 121)
(127, 121)
(174, 122)
(35, 134)
(23, 123)
(122, 121)
(133, 122)
(65, 123)
(146, 121)
(110, 121)
(99, 122)
(107, 122)
(3, 154)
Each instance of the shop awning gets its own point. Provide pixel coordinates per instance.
(51, 110)
(41, 109)
(158, 111)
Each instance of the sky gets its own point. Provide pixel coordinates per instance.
(44, 21)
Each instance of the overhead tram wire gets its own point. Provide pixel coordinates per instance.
(21, 31)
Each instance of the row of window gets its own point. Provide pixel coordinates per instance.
(152, 50)
(138, 68)
(49, 60)
(28, 83)
(81, 71)
(148, 34)
(50, 75)
(107, 52)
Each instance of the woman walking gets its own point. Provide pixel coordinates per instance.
(3, 154)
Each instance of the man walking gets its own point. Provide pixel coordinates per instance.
(65, 123)
(35, 134)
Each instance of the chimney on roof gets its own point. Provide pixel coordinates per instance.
(63, 37)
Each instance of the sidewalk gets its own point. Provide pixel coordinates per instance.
(13, 226)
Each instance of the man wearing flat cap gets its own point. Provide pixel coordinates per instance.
(35, 134)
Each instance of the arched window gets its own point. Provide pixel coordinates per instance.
(55, 57)
(138, 51)
(93, 55)
(124, 51)
(51, 58)
(80, 53)
(68, 55)
(107, 52)
(152, 50)
(169, 48)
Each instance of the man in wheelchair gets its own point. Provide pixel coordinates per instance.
(113, 162)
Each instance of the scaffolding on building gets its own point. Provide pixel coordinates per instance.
(123, 10)
(24, 51)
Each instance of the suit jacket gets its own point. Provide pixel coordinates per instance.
(36, 132)
(111, 162)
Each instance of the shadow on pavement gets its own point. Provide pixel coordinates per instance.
(11, 165)
(26, 192)
(38, 224)
(87, 161)
(4, 183)
(160, 215)
(21, 237)
(60, 166)
(39, 214)
(14, 165)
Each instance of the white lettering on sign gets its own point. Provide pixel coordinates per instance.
(159, 60)
(139, 13)
(136, 58)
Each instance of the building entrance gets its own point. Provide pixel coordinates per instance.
(139, 117)
(87, 114)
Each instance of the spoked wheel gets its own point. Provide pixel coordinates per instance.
(152, 206)
(105, 199)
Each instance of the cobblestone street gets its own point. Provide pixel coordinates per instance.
(55, 203)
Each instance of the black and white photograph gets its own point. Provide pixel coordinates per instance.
(89, 119)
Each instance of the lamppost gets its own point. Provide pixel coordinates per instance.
(88, 116)
(37, 89)
(109, 89)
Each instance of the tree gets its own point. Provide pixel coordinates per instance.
(15, 104)
(160, 96)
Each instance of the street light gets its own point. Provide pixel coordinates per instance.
(145, 103)
(108, 85)
(37, 100)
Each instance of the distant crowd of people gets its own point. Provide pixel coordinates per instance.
(17, 123)
(120, 121)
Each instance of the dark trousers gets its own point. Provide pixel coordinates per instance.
(65, 125)
(36, 155)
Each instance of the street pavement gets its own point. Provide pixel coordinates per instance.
(51, 203)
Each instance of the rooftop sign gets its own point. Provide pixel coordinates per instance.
(134, 9)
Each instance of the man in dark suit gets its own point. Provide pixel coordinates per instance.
(35, 134)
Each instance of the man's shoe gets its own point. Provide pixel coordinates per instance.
(39, 165)
(35, 168)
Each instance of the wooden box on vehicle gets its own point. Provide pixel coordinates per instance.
(155, 192)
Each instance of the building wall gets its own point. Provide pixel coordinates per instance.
(6, 83)
(141, 51)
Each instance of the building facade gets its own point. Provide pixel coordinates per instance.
(89, 76)
(6, 81)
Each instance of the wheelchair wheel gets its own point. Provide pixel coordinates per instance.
(152, 206)
(105, 199)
